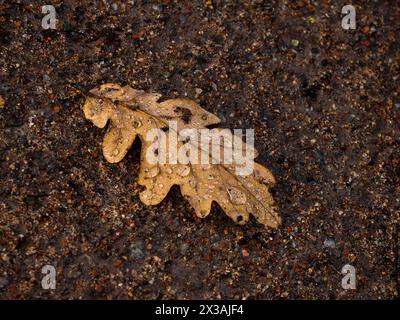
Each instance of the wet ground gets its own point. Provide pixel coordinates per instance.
(325, 104)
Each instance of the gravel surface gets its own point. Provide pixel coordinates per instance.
(325, 105)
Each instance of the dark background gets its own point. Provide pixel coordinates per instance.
(325, 106)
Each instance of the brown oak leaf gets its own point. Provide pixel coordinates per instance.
(131, 113)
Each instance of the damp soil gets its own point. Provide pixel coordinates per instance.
(325, 106)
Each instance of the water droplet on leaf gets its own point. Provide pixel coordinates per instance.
(236, 196)
(168, 170)
(152, 172)
(137, 123)
(183, 171)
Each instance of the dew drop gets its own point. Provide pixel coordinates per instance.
(183, 171)
(137, 124)
(168, 170)
(236, 196)
(151, 172)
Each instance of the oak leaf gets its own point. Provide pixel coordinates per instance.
(131, 113)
